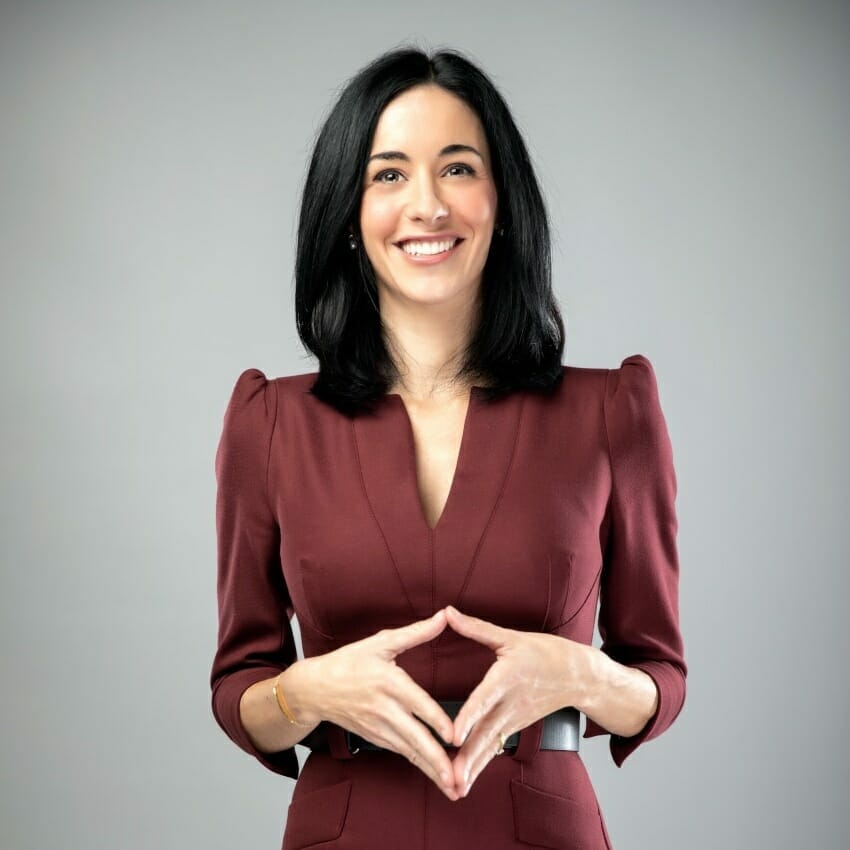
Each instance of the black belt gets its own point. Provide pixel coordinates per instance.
(560, 732)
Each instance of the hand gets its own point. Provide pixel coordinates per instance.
(534, 674)
(365, 691)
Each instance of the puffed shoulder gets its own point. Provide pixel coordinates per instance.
(247, 425)
(633, 406)
(635, 377)
(251, 401)
(249, 394)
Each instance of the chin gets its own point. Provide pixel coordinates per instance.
(430, 295)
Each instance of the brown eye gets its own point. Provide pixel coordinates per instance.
(378, 178)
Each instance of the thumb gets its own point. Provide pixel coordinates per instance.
(475, 628)
(396, 641)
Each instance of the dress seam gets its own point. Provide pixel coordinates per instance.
(496, 504)
(269, 452)
(285, 624)
(375, 518)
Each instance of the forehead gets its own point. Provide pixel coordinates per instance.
(425, 118)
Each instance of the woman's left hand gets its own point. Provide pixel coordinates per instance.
(534, 674)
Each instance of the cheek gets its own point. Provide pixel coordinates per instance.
(378, 218)
(479, 208)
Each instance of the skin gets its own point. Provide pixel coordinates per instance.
(427, 312)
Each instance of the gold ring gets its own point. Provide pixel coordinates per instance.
(502, 740)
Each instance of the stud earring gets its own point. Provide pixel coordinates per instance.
(352, 241)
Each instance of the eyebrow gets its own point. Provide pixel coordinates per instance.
(448, 149)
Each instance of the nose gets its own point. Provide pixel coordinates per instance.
(425, 202)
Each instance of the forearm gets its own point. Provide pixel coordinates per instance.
(619, 698)
(262, 717)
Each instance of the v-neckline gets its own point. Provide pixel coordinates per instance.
(385, 451)
(413, 471)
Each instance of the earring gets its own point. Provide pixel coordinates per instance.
(352, 241)
(500, 231)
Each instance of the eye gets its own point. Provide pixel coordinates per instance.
(378, 178)
(466, 169)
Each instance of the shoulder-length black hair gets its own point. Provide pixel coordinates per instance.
(519, 340)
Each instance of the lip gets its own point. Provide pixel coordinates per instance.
(427, 237)
(430, 259)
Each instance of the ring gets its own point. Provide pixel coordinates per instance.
(502, 740)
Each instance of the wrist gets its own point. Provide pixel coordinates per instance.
(617, 696)
(595, 677)
(297, 685)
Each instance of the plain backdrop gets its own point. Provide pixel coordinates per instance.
(694, 157)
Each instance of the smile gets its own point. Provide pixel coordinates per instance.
(428, 253)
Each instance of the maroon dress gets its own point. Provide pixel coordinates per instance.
(556, 503)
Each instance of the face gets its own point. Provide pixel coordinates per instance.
(429, 200)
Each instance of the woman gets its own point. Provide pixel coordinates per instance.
(442, 503)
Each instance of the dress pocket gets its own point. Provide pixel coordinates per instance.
(550, 820)
(316, 816)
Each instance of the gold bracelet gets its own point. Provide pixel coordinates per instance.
(281, 701)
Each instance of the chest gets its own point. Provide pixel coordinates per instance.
(436, 437)
(496, 509)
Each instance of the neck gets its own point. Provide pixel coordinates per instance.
(427, 343)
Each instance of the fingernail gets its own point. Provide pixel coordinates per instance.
(466, 778)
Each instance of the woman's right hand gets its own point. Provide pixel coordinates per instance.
(361, 688)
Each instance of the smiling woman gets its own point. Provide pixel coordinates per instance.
(427, 232)
(418, 148)
(442, 503)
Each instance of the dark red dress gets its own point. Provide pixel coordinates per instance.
(556, 502)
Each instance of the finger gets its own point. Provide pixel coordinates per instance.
(468, 757)
(395, 641)
(486, 694)
(416, 700)
(428, 710)
(416, 703)
(391, 739)
(398, 743)
(479, 630)
(413, 740)
(481, 749)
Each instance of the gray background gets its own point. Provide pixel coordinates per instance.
(694, 157)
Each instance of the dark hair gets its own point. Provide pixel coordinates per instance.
(519, 340)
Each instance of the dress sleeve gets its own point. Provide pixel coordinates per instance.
(639, 604)
(255, 639)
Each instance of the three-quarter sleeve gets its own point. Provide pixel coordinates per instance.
(255, 639)
(639, 591)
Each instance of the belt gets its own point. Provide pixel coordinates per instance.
(560, 732)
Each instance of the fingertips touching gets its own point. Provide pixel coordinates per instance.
(462, 726)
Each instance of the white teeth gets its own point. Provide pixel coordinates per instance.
(428, 247)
